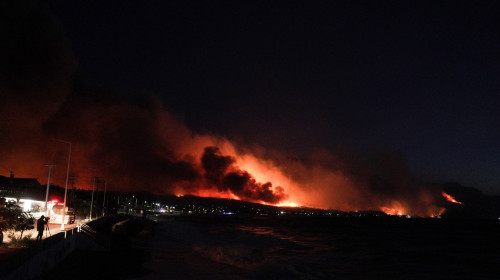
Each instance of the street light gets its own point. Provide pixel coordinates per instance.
(48, 185)
(67, 177)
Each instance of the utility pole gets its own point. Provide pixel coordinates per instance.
(104, 198)
(92, 199)
(48, 186)
(66, 189)
(72, 196)
(97, 190)
(98, 180)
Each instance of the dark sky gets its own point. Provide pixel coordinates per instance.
(418, 77)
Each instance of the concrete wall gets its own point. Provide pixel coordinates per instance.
(46, 259)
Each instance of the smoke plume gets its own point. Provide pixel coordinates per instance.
(221, 172)
(139, 146)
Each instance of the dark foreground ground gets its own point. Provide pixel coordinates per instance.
(128, 250)
(135, 257)
(217, 247)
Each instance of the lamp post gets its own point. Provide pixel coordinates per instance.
(66, 189)
(48, 185)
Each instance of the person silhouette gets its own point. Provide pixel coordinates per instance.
(40, 227)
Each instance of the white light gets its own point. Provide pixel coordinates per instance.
(10, 199)
(26, 204)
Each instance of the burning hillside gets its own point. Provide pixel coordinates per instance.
(451, 199)
(138, 145)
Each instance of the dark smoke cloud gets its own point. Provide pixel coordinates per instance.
(44, 97)
(348, 180)
(221, 172)
(138, 146)
(216, 165)
(36, 70)
(134, 143)
(36, 61)
(122, 141)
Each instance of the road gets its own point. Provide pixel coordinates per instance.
(53, 229)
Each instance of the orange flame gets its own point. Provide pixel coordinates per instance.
(391, 211)
(395, 209)
(214, 193)
(310, 185)
(401, 208)
(287, 204)
(438, 215)
(451, 199)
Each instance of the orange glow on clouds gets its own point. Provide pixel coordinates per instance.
(168, 159)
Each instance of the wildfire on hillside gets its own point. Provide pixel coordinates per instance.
(137, 145)
(451, 198)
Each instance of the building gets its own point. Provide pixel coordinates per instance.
(21, 188)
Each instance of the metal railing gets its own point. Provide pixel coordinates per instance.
(95, 236)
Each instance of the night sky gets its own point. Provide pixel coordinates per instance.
(420, 78)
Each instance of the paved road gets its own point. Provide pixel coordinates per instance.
(53, 229)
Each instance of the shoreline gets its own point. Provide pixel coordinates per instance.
(174, 255)
(166, 253)
(191, 247)
(124, 259)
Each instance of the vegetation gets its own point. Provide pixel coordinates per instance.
(20, 241)
(13, 218)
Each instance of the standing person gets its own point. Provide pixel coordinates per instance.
(40, 227)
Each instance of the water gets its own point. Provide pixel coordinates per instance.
(295, 247)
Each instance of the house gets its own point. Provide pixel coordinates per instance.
(21, 188)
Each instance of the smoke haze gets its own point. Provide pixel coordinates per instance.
(139, 146)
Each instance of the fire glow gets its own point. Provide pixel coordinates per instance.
(392, 211)
(229, 174)
(451, 199)
(169, 158)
